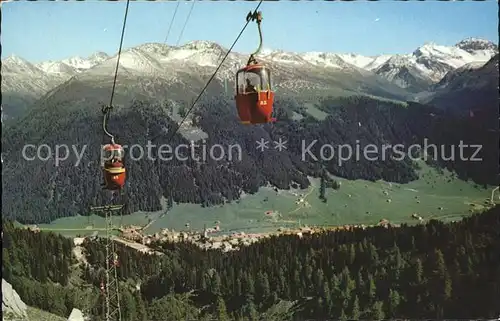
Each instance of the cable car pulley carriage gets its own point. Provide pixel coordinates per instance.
(254, 95)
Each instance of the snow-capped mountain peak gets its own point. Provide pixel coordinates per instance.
(430, 62)
(14, 60)
(266, 51)
(356, 60)
(324, 59)
(398, 61)
(78, 63)
(450, 76)
(426, 65)
(15, 64)
(280, 56)
(56, 67)
(202, 45)
(472, 45)
(432, 49)
(155, 48)
(98, 57)
(199, 52)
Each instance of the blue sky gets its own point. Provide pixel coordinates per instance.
(42, 30)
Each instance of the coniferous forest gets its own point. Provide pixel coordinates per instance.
(434, 270)
(356, 121)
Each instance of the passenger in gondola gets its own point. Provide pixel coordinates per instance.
(250, 88)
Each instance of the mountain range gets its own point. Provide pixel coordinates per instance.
(332, 98)
(392, 76)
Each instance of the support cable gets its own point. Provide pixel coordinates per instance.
(172, 21)
(185, 23)
(107, 109)
(211, 78)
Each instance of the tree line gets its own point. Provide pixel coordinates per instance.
(434, 270)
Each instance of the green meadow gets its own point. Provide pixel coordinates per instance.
(434, 195)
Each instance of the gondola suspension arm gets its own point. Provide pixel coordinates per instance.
(105, 112)
(255, 16)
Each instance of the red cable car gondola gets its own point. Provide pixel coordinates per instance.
(112, 160)
(113, 168)
(254, 95)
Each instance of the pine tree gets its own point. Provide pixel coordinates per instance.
(140, 307)
(343, 316)
(347, 283)
(215, 284)
(274, 298)
(394, 301)
(297, 289)
(6, 265)
(398, 263)
(335, 287)
(440, 265)
(129, 308)
(249, 309)
(447, 287)
(69, 300)
(221, 310)
(204, 282)
(322, 189)
(418, 272)
(372, 252)
(325, 294)
(377, 311)
(319, 278)
(355, 313)
(238, 287)
(283, 284)
(308, 270)
(352, 254)
(360, 283)
(372, 289)
(249, 284)
(263, 288)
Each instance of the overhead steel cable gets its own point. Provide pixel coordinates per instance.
(119, 53)
(106, 109)
(211, 78)
(172, 21)
(185, 23)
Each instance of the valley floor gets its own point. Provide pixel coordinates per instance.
(434, 196)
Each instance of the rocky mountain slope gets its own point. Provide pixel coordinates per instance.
(23, 83)
(470, 89)
(13, 308)
(429, 63)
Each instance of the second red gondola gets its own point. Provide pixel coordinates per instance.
(113, 167)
